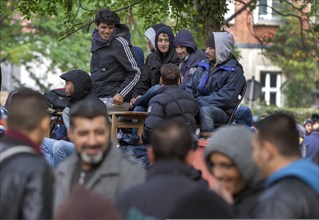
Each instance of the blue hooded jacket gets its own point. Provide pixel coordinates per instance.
(218, 85)
(189, 63)
(304, 170)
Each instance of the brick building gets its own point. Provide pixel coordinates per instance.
(249, 29)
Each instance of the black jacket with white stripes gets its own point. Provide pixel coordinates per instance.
(113, 65)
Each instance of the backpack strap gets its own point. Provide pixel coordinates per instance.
(15, 150)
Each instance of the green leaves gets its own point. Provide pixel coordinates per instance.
(295, 50)
(53, 20)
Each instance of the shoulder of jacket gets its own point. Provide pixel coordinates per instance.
(287, 187)
(161, 98)
(130, 163)
(121, 41)
(67, 164)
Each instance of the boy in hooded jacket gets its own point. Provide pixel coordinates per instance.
(189, 55)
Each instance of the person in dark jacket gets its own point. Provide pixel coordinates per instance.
(189, 55)
(26, 188)
(139, 54)
(308, 127)
(164, 54)
(292, 189)
(114, 70)
(171, 102)
(168, 180)
(78, 86)
(310, 143)
(228, 158)
(217, 82)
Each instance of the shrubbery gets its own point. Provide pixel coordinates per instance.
(301, 114)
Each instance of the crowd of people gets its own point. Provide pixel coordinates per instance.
(262, 170)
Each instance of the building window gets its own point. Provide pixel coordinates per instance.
(271, 83)
(264, 12)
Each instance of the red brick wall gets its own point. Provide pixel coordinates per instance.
(245, 31)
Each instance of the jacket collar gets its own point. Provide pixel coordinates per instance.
(109, 166)
(24, 139)
(304, 169)
(169, 167)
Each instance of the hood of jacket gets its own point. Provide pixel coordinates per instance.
(235, 142)
(120, 30)
(81, 81)
(171, 51)
(151, 32)
(224, 44)
(305, 170)
(186, 39)
(244, 116)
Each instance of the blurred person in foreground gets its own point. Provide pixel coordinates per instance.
(85, 204)
(292, 189)
(228, 158)
(98, 164)
(169, 191)
(26, 188)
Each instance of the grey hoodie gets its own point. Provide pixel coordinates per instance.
(235, 142)
(224, 43)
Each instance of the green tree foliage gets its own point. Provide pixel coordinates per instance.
(294, 48)
(60, 30)
(23, 41)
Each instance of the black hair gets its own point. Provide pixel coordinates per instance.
(26, 108)
(88, 108)
(107, 16)
(171, 140)
(170, 74)
(280, 129)
(315, 117)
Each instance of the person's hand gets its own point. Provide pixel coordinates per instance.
(221, 190)
(118, 99)
(133, 100)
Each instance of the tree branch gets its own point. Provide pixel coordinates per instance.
(87, 24)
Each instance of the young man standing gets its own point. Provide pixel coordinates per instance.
(114, 70)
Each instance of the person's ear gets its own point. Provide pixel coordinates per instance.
(45, 123)
(189, 157)
(269, 151)
(4, 123)
(161, 81)
(71, 134)
(150, 154)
